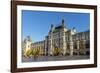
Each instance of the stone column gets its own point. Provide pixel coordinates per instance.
(84, 46)
(64, 43)
(78, 47)
(45, 46)
(51, 53)
(71, 46)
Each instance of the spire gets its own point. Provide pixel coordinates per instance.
(63, 22)
(52, 27)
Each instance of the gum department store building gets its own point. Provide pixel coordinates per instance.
(68, 41)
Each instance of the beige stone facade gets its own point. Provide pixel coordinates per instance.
(63, 41)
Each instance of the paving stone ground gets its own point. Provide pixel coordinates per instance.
(54, 58)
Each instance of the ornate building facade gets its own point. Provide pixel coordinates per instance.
(63, 41)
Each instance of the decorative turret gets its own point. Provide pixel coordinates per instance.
(29, 38)
(27, 45)
(74, 29)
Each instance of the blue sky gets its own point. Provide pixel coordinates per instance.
(37, 23)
